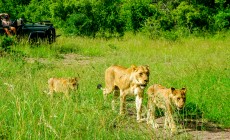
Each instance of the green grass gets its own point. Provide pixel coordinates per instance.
(199, 64)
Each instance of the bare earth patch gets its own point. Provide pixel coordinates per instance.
(188, 129)
(66, 60)
(193, 130)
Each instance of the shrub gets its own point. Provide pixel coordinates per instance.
(140, 12)
(222, 20)
(160, 22)
(79, 24)
(6, 43)
(96, 17)
(190, 17)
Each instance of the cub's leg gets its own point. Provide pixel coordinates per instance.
(151, 114)
(169, 121)
(51, 87)
(66, 94)
(150, 111)
(122, 102)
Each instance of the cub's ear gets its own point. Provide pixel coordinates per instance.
(183, 89)
(147, 66)
(133, 67)
(173, 89)
(75, 79)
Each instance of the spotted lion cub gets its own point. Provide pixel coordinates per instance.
(63, 85)
(166, 99)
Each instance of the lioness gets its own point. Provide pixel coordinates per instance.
(126, 81)
(167, 99)
(63, 85)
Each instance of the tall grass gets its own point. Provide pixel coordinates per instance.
(199, 64)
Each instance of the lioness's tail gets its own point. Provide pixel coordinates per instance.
(99, 86)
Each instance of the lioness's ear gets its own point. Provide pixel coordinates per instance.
(183, 89)
(172, 88)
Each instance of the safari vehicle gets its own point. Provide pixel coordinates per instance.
(34, 32)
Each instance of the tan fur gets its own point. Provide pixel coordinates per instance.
(63, 85)
(166, 99)
(126, 81)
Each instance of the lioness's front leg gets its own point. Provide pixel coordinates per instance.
(115, 96)
(107, 91)
(139, 107)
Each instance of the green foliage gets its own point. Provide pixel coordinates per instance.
(79, 24)
(222, 20)
(187, 16)
(112, 18)
(6, 43)
(158, 24)
(140, 12)
(101, 18)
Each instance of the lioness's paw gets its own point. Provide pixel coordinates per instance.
(155, 125)
(149, 122)
(122, 113)
(173, 130)
(141, 120)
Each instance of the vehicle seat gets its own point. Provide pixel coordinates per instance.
(20, 22)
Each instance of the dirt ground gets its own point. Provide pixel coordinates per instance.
(199, 130)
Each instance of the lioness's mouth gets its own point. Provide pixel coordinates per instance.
(143, 85)
(179, 108)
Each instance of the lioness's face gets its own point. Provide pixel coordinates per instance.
(73, 83)
(179, 97)
(141, 75)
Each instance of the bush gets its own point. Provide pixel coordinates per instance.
(156, 25)
(79, 24)
(140, 12)
(101, 18)
(190, 17)
(222, 20)
(6, 43)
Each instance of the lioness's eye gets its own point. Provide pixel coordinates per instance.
(178, 99)
(140, 74)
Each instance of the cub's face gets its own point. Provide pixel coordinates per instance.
(73, 83)
(179, 97)
(140, 75)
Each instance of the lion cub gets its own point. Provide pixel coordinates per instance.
(167, 99)
(63, 85)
